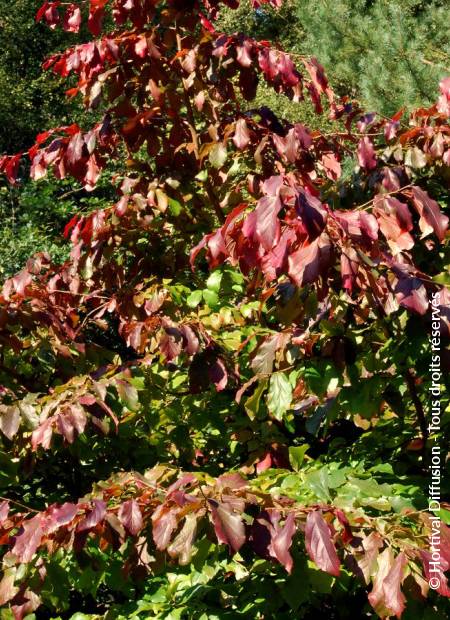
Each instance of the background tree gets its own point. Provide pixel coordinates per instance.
(28, 100)
(32, 217)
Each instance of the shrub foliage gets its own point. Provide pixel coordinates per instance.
(217, 406)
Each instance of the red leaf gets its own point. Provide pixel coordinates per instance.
(263, 224)
(42, 436)
(332, 166)
(96, 515)
(281, 543)
(70, 225)
(41, 12)
(264, 464)
(410, 291)
(72, 19)
(96, 15)
(431, 217)
(21, 281)
(231, 481)
(186, 480)
(218, 374)
(319, 82)
(275, 3)
(170, 347)
(241, 136)
(207, 24)
(438, 571)
(228, 526)
(366, 154)
(49, 10)
(65, 428)
(311, 212)
(141, 47)
(190, 341)
(349, 268)
(164, 522)
(319, 545)
(74, 150)
(393, 597)
(287, 146)
(359, 225)
(367, 563)
(7, 588)
(4, 511)
(60, 515)
(28, 541)
(131, 517)
(244, 53)
(444, 100)
(385, 562)
(77, 417)
(310, 261)
(11, 168)
(390, 129)
(395, 223)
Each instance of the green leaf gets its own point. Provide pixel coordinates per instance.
(318, 482)
(444, 515)
(202, 175)
(214, 281)
(211, 298)
(128, 394)
(194, 299)
(279, 396)
(175, 207)
(297, 456)
(252, 403)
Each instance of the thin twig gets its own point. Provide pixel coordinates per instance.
(395, 191)
(13, 501)
(419, 409)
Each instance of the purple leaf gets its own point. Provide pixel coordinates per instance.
(310, 261)
(28, 541)
(218, 374)
(319, 545)
(312, 213)
(411, 293)
(282, 541)
(366, 154)
(241, 136)
(60, 515)
(228, 526)
(131, 517)
(266, 222)
(96, 515)
(164, 522)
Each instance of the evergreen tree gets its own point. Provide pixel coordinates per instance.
(389, 54)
